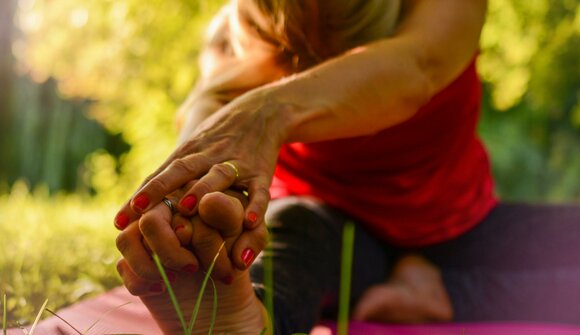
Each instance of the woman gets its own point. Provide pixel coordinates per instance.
(344, 110)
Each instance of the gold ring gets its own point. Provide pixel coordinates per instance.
(234, 167)
(170, 205)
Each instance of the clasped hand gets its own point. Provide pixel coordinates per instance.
(235, 148)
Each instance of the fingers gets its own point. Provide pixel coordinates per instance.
(219, 178)
(183, 229)
(130, 245)
(220, 220)
(225, 213)
(155, 226)
(125, 216)
(177, 174)
(259, 198)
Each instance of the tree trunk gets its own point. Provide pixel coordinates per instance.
(7, 150)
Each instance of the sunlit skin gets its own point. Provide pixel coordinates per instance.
(433, 43)
(220, 220)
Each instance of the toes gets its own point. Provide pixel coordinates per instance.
(250, 243)
(377, 304)
(222, 212)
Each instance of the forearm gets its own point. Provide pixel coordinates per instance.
(194, 112)
(224, 74)
(357, 94)
(382, 84)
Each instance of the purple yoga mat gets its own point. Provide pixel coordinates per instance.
(134, 319)
(364, 328)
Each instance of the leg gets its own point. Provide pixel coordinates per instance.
(521, 263)
(305, 250)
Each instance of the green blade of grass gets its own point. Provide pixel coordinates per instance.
(201, 291)
(63, 320)
(103, 315)
(269, 286)
(345, 277)
(4, 325)
(172, 296)
(214, 309)
(38, 317)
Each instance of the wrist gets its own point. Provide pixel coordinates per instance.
(276, 113)
(295, 107)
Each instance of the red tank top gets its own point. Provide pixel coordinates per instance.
(424, 181)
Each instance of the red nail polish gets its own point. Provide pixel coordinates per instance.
(189, 202)
(252, 217)
(141, 201)
(121, 221)
(247, 256)
(190, 268)
(157, 288)
(179, 227)
(228, 280)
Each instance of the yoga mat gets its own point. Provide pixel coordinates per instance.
(364, 328)
(135, 319)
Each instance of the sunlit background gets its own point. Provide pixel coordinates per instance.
(88, 91)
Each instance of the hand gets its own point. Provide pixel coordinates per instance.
(247, 133)
(222, 212)
(220, 220)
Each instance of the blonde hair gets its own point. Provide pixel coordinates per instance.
(310, 31)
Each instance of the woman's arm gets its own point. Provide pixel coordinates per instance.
(382, 84)
(367, 89)
(226, 71)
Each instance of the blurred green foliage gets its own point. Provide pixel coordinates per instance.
(53, 247)
(137, 61)
(130, 63)
(530, 65)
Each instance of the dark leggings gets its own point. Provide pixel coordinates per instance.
(521, 263)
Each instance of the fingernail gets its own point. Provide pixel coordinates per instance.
(190, 268)
(189, 202)
(121, 221)
(247, 256)
(228, 280)
(157, 287)
(179, 227)
(252, 217)
(141, 201)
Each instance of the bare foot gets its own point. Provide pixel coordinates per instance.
(413, 294)
(239, 311)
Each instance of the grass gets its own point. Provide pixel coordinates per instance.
(344, 294)
(4, 324)
(345, 278)
(44, 308)
(269, 285)
(38, 317)
(83, 262)
(63, 245)
(188, 329)
(89, 327)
